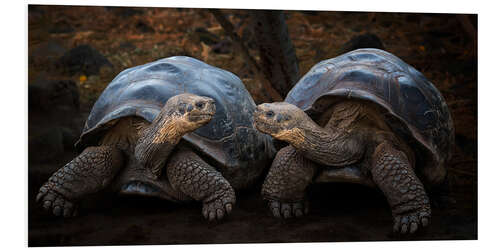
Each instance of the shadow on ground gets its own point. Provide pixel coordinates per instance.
(339, 212)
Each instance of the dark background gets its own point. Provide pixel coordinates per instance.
(74, 52)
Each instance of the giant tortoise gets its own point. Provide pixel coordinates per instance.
(363, 117)
(176, 128)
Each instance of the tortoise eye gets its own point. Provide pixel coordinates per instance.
(200, 105)
(269, 114)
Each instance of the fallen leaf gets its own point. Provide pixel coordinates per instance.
(83, 78)
(205, 51)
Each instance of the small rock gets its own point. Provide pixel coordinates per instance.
(82, 59)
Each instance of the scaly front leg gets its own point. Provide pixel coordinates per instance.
(405, 193)
(88, 173)
(189, 174)
(286, 183)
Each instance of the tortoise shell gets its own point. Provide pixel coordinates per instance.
(413, 106)
(229, 138)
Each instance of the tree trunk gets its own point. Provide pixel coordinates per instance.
(278, 61)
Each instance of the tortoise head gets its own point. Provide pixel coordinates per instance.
(279, 119)
(189, 111)
(181, 114)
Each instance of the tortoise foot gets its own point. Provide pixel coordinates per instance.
(218, 208)
(411, 222)
(55, 202)
(287, 210)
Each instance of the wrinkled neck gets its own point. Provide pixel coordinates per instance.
(156, 142)
(331, 147)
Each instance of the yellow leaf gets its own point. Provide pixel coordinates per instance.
(83, 78)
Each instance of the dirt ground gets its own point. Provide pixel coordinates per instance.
(339, 212)
(442, 46)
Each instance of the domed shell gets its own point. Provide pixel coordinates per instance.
(229, 137)
(415, 108)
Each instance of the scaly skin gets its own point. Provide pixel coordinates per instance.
(189, 174)
(286, 183)
(88, 173)
(405, 193)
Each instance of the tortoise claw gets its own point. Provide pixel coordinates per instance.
(217, 209)
(287, 210)
(55, 203)
(411, 222)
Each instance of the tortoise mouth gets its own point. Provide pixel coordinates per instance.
(265, 127)
(201, 117)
